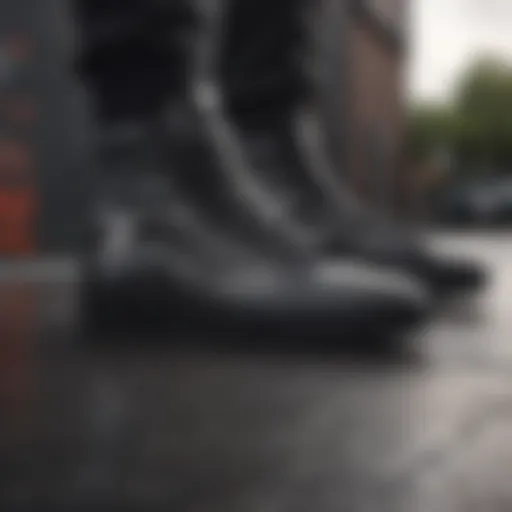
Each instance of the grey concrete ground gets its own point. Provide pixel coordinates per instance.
(429, 430)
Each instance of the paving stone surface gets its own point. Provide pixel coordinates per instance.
(425, 428)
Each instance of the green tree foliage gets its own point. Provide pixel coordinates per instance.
(476, 127)
(430, 127)
(484, 107)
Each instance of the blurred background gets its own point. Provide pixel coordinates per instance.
(458, 129)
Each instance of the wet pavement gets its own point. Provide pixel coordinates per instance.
(424, 425)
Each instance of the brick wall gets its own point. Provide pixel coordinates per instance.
(376, 110)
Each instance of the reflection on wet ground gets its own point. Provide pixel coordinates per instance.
(179, 427)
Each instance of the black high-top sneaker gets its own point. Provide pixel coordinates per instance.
(272, 73)
(160, 264)
(177, 244)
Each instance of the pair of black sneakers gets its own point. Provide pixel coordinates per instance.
(223, 211)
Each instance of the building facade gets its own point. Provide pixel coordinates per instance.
(44, 171)
(375, 53)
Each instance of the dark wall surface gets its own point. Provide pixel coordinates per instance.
(58, 138)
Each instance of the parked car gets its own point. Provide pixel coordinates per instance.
(482, 203)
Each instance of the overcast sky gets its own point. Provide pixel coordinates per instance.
(446, 36)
